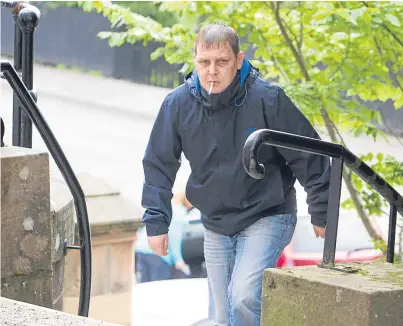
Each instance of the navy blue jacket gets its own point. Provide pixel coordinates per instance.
(211, 131)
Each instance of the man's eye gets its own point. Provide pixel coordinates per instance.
(223, 62)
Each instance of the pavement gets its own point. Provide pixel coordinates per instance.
(97, 91)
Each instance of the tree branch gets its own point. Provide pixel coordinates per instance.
(344, 57)
(294, 36)
(360, 209)
(393, 75)
(283, 73)
(397, 39)
(297, 56)
(397, 59)
(338, 132)
(301, 28)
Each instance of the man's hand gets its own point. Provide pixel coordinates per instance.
(320, 232)
(159, 244)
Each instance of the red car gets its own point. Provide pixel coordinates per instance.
(353, 243)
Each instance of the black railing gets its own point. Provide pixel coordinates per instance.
(26, 19)
(28, 104)
(340, 156)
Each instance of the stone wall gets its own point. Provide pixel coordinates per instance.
(24, 314)
(33, 229)
(37, 216)
(364, 294)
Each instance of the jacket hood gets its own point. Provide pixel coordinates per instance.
(235, 93)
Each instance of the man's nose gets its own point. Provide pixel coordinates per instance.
(212, 70)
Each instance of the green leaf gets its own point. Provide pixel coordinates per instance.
(159, 52)
(399, 102)
(347, 204)
(321, 15)
(393, 20)
(346, 15)
(377, 20)
(358, 13)
(358, 184)
(116, 39)
(104, 35)
(254, 37)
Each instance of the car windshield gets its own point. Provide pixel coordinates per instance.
(351, 235)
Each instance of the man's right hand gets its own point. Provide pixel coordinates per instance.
(159, 244)
(319, 231)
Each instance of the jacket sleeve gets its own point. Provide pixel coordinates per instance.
(161, 162)
(311, 170)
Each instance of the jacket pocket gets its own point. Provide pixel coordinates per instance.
(265, 193)
(205, 197)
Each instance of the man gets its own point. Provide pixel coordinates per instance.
(248, 222)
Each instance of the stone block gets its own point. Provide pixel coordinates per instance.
(33, 228)
(34, 288)
(23, 314)
(62, 217)
(25, 212)
(368, 294)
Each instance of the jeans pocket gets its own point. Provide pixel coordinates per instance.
(291, 222)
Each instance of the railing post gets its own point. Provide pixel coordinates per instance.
(332, 220)
(16, 139)
(28, 19)
(390, 255)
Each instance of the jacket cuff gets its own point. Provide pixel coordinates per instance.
(319, 220)
(155, 228)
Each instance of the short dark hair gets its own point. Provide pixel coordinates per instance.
(216, 35)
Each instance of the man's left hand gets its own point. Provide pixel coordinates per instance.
(319, 232)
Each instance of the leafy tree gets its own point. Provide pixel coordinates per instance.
(330, 57)
(144, 8)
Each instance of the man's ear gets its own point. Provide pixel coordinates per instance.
(240, 57)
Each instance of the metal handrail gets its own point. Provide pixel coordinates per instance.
(26, 19)
(340, 155)
(30, 107)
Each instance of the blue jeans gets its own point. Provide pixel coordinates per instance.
(235, 268)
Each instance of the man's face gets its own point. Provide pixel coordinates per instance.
(217, 65)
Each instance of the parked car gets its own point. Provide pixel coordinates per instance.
(193, 245)
(353, 243)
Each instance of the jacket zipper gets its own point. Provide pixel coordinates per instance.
(218, 155)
